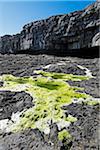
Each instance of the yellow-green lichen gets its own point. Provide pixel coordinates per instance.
(92, 102)
(71, 118)
(64, 134)
(62, 76)
(50, 92)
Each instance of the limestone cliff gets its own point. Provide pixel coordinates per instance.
(75, 30)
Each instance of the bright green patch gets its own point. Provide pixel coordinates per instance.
(64, 134)
(49, 94)
(71, 118)
(62, 76)
(92, 102)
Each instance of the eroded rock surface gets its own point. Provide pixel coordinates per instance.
(75, 30)
(84, 131)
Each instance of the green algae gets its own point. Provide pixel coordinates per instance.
(71, 118)
(92, 102)
(63, 76)
(50, 92)
(64, 134)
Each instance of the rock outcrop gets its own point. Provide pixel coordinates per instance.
(84, 132)
(75, 30)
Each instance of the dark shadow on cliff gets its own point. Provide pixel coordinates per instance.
(81, 53)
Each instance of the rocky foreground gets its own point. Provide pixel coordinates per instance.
(84, 132)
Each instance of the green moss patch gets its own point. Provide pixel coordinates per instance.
(62, 76)
(64, 134)
(92, 101)
(50, 92)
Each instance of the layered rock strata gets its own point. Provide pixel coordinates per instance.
(76, 30)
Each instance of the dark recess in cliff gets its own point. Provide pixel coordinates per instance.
(92, 52)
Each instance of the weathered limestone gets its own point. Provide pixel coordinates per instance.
(75, 30)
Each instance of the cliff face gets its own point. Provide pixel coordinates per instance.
(76, 30)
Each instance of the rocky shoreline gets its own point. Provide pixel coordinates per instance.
(49, 84)
(84, 131)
